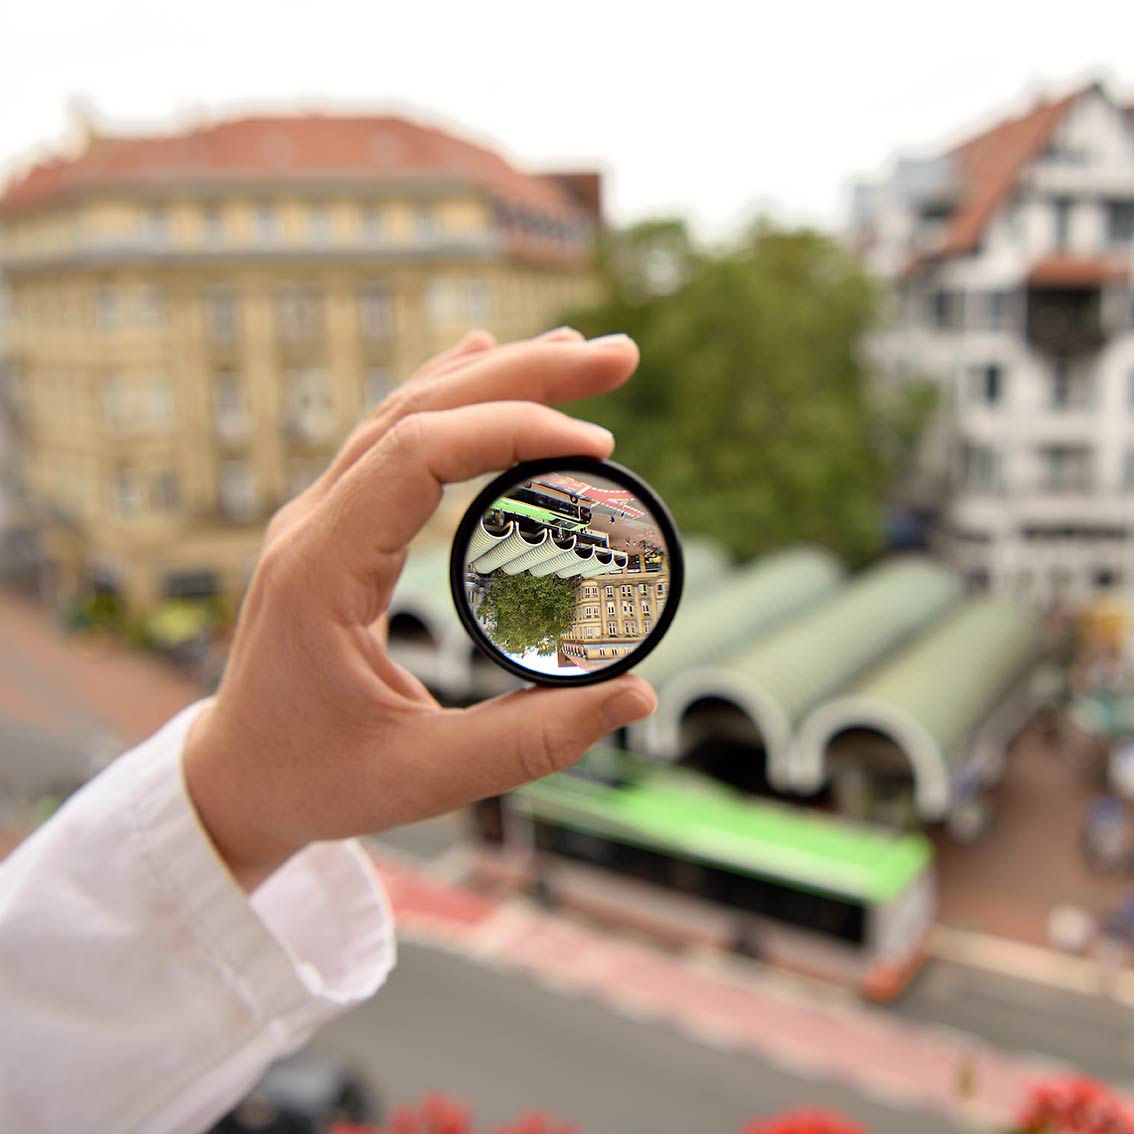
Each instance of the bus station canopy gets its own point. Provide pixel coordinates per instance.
(778, 679)
(933, 696)
(727, 612)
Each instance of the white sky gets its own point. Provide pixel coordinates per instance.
(713, 109)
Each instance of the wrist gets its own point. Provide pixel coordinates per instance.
(224, 806)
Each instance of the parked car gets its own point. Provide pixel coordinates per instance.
(307, 1093)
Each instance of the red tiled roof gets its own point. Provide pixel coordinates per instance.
(989, 166)
(1077, 271)
(313, 147)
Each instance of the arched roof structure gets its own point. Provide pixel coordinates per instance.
(932, 698)
(777, 680)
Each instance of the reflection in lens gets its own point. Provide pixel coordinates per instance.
(567, 574)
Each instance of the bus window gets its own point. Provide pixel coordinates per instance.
(820, 913)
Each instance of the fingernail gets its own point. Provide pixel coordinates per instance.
(624, 708)
(599, 431)
(564, 330)
(608, 341)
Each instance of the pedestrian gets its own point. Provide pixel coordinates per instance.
(200, 907)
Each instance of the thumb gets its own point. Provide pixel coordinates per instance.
(499, 744)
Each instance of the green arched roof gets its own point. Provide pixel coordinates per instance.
(720, 614)
(818, 653)
(932, 697)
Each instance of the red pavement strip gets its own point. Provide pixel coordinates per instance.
(718, 1004)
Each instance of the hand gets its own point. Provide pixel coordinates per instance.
(314, 733)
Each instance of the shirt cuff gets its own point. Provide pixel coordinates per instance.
(315, 938)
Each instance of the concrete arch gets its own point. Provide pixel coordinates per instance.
(928, 764)
(565, 557)
(662, 731)
(483, 541)
(515, 544)
(584, 558)
(543, 550)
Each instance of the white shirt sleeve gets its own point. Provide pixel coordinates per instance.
(140, 988)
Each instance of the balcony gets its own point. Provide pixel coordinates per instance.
(1065, 322)
(1064, 303)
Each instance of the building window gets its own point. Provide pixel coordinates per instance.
(646, 624)
(375, 312)
(266, 221)
(945, 309)
(610, 592)
(212, 223)
(157, 222)
(645, 608)
(237, 491)
(627, 591)
(127, 491)
(477, 300)
(319, 221)
(113, 397)
(1120, 222)
(1128, 469)
(106, 307)
(159, 400)
(1070, 389)
(1066, 468)
(1105, 578)
(980, 467)
(1062, 221)
(425, 222)
(299, 314)
(222, 324)
(377, 382)
(228, 395)
(660, 589)
(151, 304)
(610, 608)
(987, 384)
(371, 218)
(437, 302)
(165, 491)
(612, 629)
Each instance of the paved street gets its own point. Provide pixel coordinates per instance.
(503, 1043)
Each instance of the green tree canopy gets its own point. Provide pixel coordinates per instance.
(522, 612)
(752, 412)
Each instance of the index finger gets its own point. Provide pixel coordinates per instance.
(539, 370)
(379, 505)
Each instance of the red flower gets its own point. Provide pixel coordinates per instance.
(536, 1122)
(1075, 1105)
(804, 1122)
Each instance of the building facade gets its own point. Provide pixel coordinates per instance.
(1011, 256)
(613, 613)
(196, 320)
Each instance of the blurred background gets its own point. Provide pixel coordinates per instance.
(876, 850)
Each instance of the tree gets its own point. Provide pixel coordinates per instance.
(522, 612)
(753, 413)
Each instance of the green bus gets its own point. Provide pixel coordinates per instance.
(573, 517)
(670, 848)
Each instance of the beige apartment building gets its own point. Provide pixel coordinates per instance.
(197, 319)
(613, 613)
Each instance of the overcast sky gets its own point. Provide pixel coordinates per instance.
(710, 109)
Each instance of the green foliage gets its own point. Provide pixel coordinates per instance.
(522, 612)
(752, 412)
